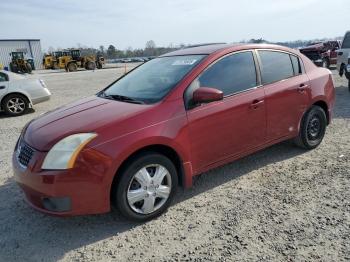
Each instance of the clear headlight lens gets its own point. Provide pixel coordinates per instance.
(63, 154)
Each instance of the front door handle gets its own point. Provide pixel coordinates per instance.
(302, 88)
(256, 103)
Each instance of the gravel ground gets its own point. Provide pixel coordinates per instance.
(281, 204)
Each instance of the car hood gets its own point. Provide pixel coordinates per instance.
(92, 114)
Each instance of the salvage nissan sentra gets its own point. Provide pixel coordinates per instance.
(167, 121)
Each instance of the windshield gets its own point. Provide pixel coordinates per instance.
(153, 80)
(13, 76)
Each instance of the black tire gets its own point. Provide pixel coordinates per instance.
(326, 63)
(20, 108)
(55, 66)
(90, 65)
(126, 178)
(347, 75)
(29, 68)
(312, 128)
(72, 67)
(13, 68)
(98, 65)
(341, 71)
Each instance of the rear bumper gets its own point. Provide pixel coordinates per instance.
(77, 191)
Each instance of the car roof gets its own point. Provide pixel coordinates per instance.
(209, 49)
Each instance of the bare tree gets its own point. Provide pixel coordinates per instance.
(150, 49)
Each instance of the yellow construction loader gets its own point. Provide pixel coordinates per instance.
(19, 64)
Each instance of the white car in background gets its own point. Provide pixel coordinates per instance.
(343, 60)
(18, 93)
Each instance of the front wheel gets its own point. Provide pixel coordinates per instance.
(312, 128)
(145, 187)
(72, 67)
(15, 105)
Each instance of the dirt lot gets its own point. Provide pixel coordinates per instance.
(281, 204)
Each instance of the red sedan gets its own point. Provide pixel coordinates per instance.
(167, 121)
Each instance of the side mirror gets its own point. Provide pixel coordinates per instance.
(207, 95)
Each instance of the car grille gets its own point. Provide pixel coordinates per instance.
(24, 154)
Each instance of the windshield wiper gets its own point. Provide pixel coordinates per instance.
(120, 98)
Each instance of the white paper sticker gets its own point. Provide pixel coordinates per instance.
(184, 62)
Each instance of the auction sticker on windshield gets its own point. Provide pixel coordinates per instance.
(185, 62)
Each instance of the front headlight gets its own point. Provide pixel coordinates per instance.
(63, 154)
(42, 83)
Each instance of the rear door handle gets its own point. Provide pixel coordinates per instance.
(2, 87)
(256, 103)
(302, 88)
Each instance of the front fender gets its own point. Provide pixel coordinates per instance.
(22, 92)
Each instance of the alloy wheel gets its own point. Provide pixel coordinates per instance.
(16, 105)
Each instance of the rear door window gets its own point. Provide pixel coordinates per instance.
(346, 41)
(275, 66)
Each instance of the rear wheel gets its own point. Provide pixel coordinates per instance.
(90, 65)
(312, 128)
(29, 68)
(146, 187)
(99, 65)
(15, 104)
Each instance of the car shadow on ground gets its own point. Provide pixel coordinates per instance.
(4, 115)
(22, 225)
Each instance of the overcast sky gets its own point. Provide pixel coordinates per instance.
(65, 23)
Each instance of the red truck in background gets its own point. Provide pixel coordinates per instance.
(323, 54)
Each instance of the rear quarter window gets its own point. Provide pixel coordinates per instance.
(275, 66)
(296, 65)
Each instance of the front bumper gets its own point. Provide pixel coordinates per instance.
(79, 191)
(44, 96)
